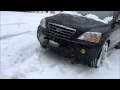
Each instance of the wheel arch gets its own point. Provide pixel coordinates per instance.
(108, 40)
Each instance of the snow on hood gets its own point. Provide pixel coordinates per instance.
(91, 16)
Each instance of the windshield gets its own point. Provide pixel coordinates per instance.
(100, 14)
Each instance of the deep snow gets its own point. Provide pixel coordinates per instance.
(23, 57)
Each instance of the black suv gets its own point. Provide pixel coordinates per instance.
(83, 38)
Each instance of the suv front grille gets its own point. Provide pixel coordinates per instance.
(60, 30)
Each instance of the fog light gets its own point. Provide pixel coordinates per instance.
(82, 51)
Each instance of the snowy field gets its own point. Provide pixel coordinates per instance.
(21, 56)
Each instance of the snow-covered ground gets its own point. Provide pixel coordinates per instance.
(21, 56)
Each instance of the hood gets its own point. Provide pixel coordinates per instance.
(81, 24)
(74, 21)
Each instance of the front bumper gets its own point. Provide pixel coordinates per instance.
(72, 48)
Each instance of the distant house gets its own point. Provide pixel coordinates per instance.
(52, 12)
(55, 12)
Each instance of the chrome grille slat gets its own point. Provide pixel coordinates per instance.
(63, 29)
(58, 34)
(60, 30)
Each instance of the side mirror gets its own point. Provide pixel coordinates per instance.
(113, 24)
(118, 22)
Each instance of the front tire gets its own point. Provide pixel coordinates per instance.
(43, 42)
(102, 56)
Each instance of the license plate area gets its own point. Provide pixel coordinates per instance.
(53, 43)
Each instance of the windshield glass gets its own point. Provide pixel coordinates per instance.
(100, 14)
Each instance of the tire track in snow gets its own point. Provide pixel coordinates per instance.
(13, 24)
(13, 35)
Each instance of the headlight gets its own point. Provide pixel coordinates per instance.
(91, 36)
(42, 23)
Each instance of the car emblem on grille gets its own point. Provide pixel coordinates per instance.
(59, 30)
